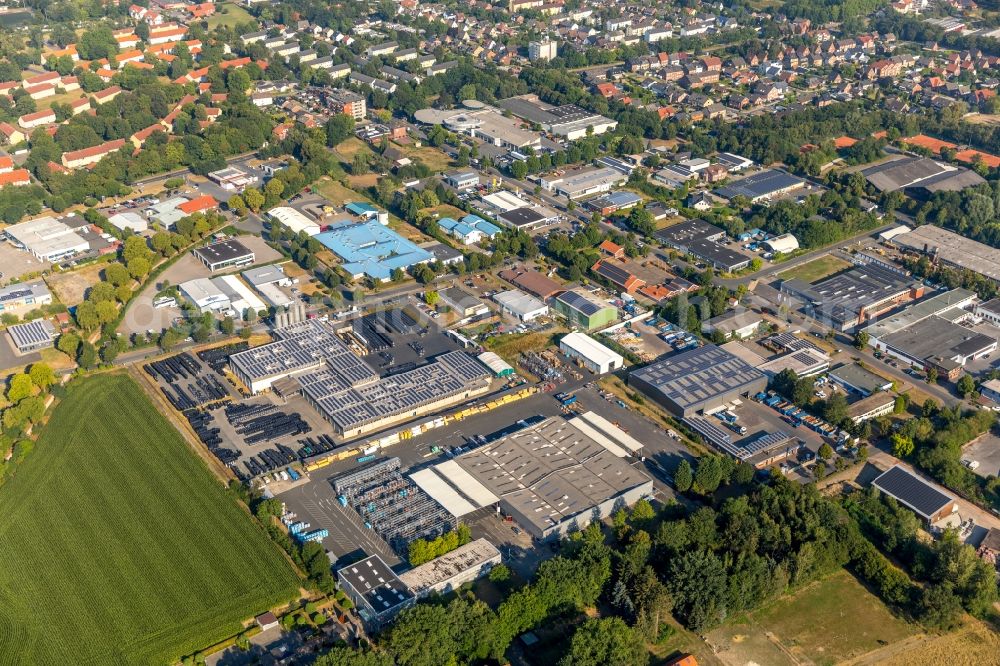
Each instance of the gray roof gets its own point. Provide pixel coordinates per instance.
(13, 292)
(761, 184)
(920, 172)
(936, 337)
(261, 275)
(952, 248)
(375, 581)
(582, 303)
(845, 296)
(32, 333)
(909, 489)
(691, 377)
(854, 375)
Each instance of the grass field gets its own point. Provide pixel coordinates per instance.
(817, 269)
(229, 14)
(119, 546)
(337, 193)
(71, 286)
(818, 624)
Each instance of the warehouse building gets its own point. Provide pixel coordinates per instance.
(551, 475)
(32, 336)
(497, 365)
(740, 323)
(925, 499)
(462, 302)
(761, 186)
(701, 240)
(938, 343)
(851, 298)
(293, 220)
(371, 249)
(920, 176)
(375, 591)
(856, 379)
(241, 297)
(590, 353)
(47, 238)
(24, 296)
(450, 571)
(584, 310)
(697, 380)
(346, 390)
(805, 362)
(520, 305)
(567, 121)
(521, 218)
(583, 181)
(532, 281)
(224, 254)
(205, 294)
(129, 220)
(952, 250)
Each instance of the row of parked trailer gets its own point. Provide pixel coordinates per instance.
(258, 423)
(189, 386)
(798, 416)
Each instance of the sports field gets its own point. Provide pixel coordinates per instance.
(118, 545)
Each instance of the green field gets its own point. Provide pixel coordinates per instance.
(228, 14)
(816, 270)
(830, 621)
(119, 547)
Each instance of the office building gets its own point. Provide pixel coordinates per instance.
(47, 238)
(375, 590)
(542, 50)
(24, 296)
(224, 254)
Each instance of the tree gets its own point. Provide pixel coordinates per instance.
(499, 573)
(87, 357)
(431, 297)
(932, 375)
(861, 339)
(359, 164)
(825, 452)
(138, 267)
(708, 475)
(605, 642)
(744, 473)
(117, 274)
(902, 446)
(899, 405)
(86, 316)
(697, 582)
(68, 344)
(19, 388)
(237, 205)
(253, 198)
(683, 476)
(42, 375)
(939, 607)
(835, 409)
(965, 385)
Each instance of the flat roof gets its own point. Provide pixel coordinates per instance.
(909, 489)
(860, 378)
(375, 581)
(373, 249)
(874, 401)
(591, 349)
(550, 472)
(268, 274)
(32, 333)
(519, 302)
(762, 184)
(521, 217)
(440, 570)
(685, 232)
(582, 302)
(20, 290)
(920, 311)
(223, 251)
(691, 377)
(846, 295)
(920, 172)
(938, 337)
(952, 248)
(46, 236)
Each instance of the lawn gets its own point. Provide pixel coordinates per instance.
(337, 193)
(119, 546)
(229, 14)
(434, 159)
(816, 270)
(818, 624)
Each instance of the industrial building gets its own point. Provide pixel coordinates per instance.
(268, 281)
(698, 380)
(346, 390)
(462, 302)
(925, 499)
(852, 297)
(47, 238)
(950, 249)
(472, 228)
(525, 217)
(205, 294)
(938, 343)
(856, 379)
(450, 571)
(567, 121)
(805, 362)
(370, 249)
(24, 296)
(232, 178)
(32, 336)
(293, 220)
(590, 353)
(375, 591)
(761, 186)
(584, 310)
(920, 175)
(497, 365)
(521, 305)
(483, 122)
(739, 323)
(129, 220)
(872, 407)
(700, 239)
(532, 281)
(550, 474)
(582, 181)
(224, 254)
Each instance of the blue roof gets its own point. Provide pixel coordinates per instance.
(372, 249)
(361, 208)
(490, 230)
(462, 230)
(447, 223)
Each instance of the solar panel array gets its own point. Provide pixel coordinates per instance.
(32, 334)
(581, 303)
(694, 376)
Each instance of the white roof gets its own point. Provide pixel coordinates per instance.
(440, 491)
(294, 220)
(591, 349)
(203, 292)
(467, 483)
(47, 237)
(520, 303)
(493, 361)
(889, 234)
(783, 243)
(505, 201)
(249, 299)
(129, 220)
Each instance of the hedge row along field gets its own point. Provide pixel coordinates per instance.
(118, 545)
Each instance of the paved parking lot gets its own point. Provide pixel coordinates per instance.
(14, 263)
(986, 451)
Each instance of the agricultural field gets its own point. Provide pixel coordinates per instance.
(816, 270)
(818, 624)
(119, 546)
